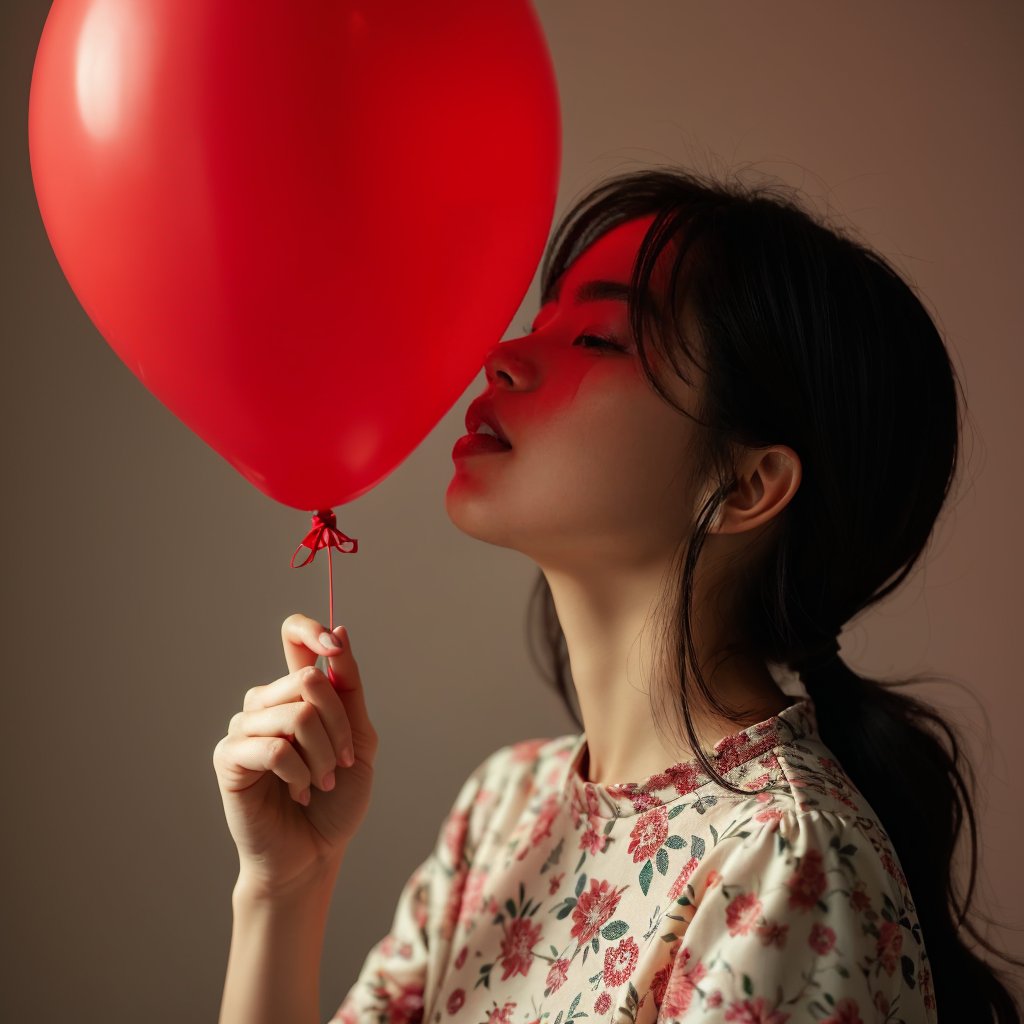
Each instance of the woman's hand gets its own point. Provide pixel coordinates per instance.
(287, 743)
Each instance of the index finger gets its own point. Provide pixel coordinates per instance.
(300, 636)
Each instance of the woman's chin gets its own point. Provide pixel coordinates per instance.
(478, 517)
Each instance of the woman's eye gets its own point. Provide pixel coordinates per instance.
(601, 342)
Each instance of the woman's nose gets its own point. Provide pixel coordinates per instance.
(504, 360)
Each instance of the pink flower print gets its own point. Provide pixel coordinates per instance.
(420, 906)
(842, 797)
(822, 938)
(407, 1006)
(684, 777)
(455, 1001)
(893, 868)
(593, 911)
(603, 1001)
(808, 882)
(542, 825)
(859, 899)
(889, 944)
(742, 913)
(526, 751)
(770, 814)
(641, 799)
(682, 878)
(620, 962)
(648, 834)
(557, 974)
(881, 1002)
(461, 958)
(592, 841)
(730, 747)
(715, 999)
(455, 834)
(658, 983)
(679, 990)
(500, 1015)
(924, 979)
(554, 882)
(713, 879)
(754, 1011)
(453, 905)
(472, 895)
(845, 1012)
(771, 933)
(521, 935)
(547, 814)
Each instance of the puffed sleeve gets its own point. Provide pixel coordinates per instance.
(401, 968)
(808, 918)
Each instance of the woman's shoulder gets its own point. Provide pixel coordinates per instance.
(537, 761)
(812, 801)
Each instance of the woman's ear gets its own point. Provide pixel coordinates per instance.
(767, 479)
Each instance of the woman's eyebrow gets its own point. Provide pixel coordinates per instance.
(596, 291)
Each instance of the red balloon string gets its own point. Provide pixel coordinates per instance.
(325, 534)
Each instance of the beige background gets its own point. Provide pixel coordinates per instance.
(144, 581)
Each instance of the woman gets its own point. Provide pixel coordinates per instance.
(728, 431)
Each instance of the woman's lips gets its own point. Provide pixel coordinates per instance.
(478, 444)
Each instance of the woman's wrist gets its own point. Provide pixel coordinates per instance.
(250, 887)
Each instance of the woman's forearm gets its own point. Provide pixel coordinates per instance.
(273, 973)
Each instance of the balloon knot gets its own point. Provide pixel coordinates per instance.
(324, 534)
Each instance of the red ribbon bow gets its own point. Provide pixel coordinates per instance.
(325, 534)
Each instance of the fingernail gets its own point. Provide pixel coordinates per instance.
(304, 797)
(328, 783)
(330, 640)
(347, 757)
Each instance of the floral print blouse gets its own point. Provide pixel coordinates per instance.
(548, 898)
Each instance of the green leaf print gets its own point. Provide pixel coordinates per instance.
(661, 858)
(748, 985)
(697, 846)
(567, 908)
(580, 885)
(554, 857)
(675, 842)
(615, 930)
(646, 874)
(908, 971)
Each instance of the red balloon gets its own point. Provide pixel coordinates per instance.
(301, 225)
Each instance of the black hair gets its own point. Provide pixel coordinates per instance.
(811, 339)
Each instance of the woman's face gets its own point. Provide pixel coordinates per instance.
(597, 467)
